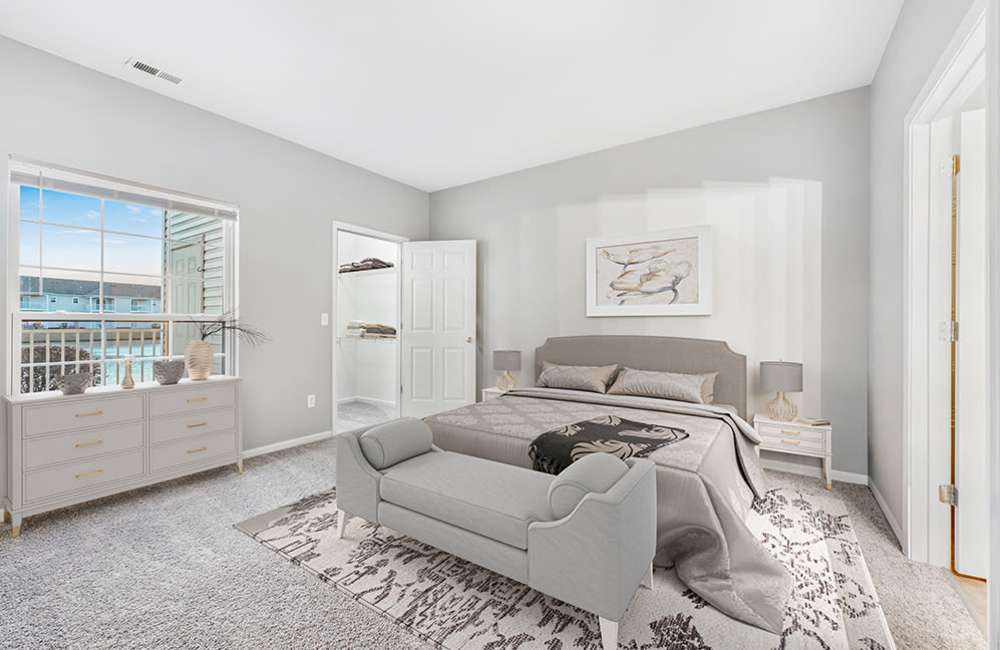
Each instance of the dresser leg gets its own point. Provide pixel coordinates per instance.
(6, 516)
(827, 462)
(239, 466)
(15, 525)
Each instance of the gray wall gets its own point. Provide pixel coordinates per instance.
(62, 113)
(824, 139)
(922, 31)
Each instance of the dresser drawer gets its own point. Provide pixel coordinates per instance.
(792, 444)
(74, 477)
(181, 426)
(791, 432)
(77, 414)
(191, 450)
(191, 399)
(45, 450)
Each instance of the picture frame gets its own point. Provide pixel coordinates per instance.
(658, 273)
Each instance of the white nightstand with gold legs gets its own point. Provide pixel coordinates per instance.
(797, 438)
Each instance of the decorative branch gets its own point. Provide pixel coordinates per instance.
(228, 323)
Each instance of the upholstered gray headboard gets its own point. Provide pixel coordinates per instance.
(665, 353)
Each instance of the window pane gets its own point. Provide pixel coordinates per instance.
(126, 254)
(70, 248)
(124, 289)
(49, 349)
(137, 219)
(29, 202)
(69, 290)
(143, 342)
(71, 209)
(30, 244)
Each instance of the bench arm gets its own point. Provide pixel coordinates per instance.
(357, 480)
(596, 557)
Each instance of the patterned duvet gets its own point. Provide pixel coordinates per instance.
(706, 484)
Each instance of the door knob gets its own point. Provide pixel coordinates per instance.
(468, 339)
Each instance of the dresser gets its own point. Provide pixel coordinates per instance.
(59, 450)
(797, 438)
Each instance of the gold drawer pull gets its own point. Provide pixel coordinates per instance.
(92, 473)
(791, 433)
(197, 424)
(89, 443)
(790, 442)
(197, 450)
(195, 400)
(90, 414)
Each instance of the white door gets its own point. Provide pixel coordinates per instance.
(187, 288)
(438, 326)
(972, 447)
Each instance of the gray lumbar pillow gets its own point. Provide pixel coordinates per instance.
(396, 441)
(592, 473)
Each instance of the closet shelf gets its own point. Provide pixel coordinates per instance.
(367, 274)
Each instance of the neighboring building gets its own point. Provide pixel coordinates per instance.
(82, 296)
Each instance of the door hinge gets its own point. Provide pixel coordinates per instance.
(949, 331)
(948, 494)
(953, 331)
(956, 164)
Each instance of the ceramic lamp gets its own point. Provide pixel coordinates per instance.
(781, 377)
(506, 360)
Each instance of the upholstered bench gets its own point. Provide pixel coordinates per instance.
(587, 536)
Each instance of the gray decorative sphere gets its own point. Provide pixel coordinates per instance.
(168, 372)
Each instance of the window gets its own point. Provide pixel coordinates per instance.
(110, 270)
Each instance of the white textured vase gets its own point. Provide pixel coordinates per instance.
(198, 360)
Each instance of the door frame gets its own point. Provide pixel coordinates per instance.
(343, 226)
(993, 219)
(962, 56)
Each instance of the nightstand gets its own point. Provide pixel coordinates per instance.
(490, 393)
(797, 438)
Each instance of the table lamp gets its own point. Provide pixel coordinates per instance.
(506, 360)
(781, 377)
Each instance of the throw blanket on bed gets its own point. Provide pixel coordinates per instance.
(553, 451)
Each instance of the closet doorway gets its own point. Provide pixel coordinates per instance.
(366, 316)
(404, 326)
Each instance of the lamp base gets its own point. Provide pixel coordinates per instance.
(506, 382)
(782, 409)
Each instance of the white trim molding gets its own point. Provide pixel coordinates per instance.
(287, 444)
(813, 471)
(887, 513)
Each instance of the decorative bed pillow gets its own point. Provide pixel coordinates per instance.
(592, 378)
(699, 389)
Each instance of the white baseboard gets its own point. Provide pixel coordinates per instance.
(368, 400)
(814, 472)
(287, 444)
(893, 524)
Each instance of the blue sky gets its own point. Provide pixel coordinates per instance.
(64, 245)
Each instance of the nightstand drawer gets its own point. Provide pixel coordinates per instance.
(790, 444)
(191, 450)
(191, 424)
(791, 432)
(47, 450)
(191, 399)
(74, 477)
(81, 413)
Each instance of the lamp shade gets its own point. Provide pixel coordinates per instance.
(506, 359)
(781, 376)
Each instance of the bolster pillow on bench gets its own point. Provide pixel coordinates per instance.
(592, 473)
(396, 441)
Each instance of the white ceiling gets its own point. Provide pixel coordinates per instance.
(438, 93)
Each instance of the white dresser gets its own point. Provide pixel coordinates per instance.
(59, 449)
(797, 438)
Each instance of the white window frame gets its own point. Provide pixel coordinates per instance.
(131, 191)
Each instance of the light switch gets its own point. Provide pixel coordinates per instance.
(324, 319)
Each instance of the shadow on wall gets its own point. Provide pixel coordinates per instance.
(766, 259)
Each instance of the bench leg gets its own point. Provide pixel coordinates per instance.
(647, 582)
(609, 634)
(341, 523)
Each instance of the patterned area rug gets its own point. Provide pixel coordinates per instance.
(454, 604)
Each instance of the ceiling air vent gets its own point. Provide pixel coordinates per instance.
(153, 71)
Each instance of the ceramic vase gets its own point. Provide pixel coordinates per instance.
(168, 372)
(73, 383)
(198, 360)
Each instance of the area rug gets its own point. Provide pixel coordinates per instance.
(453, 604)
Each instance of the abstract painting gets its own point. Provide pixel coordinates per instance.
(665, 273)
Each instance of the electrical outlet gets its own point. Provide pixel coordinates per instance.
(310, 401)
(324, 319)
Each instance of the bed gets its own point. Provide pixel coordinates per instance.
(706, 482)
